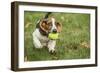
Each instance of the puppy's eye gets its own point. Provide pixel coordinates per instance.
(50, 25)
(57, 24)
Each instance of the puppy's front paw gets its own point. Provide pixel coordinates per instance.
(53, 52)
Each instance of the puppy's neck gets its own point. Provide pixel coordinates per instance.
(42, 32)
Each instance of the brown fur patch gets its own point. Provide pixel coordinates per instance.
(59, 26)
(45, 25)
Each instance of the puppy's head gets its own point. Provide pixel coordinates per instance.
(50, 25)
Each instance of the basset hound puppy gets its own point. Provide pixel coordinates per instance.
(44, 28)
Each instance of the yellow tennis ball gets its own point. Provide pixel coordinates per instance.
(53, 35)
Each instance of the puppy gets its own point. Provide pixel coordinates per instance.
(44, 28)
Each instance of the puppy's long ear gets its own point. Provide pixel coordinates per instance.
(59, 26)
(43, 24)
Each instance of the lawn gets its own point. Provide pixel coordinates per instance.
(73, 42)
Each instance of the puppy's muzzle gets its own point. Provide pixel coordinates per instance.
(54, 31)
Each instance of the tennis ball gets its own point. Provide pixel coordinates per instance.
(53, 36)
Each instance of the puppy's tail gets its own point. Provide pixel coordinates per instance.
(47, 15)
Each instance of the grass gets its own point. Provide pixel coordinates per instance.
(73, 42)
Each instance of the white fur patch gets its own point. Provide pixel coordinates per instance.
(39, 41)
(53, 24)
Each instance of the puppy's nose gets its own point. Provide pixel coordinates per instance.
(54, 30)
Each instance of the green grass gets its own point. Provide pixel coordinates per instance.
(73, 42)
